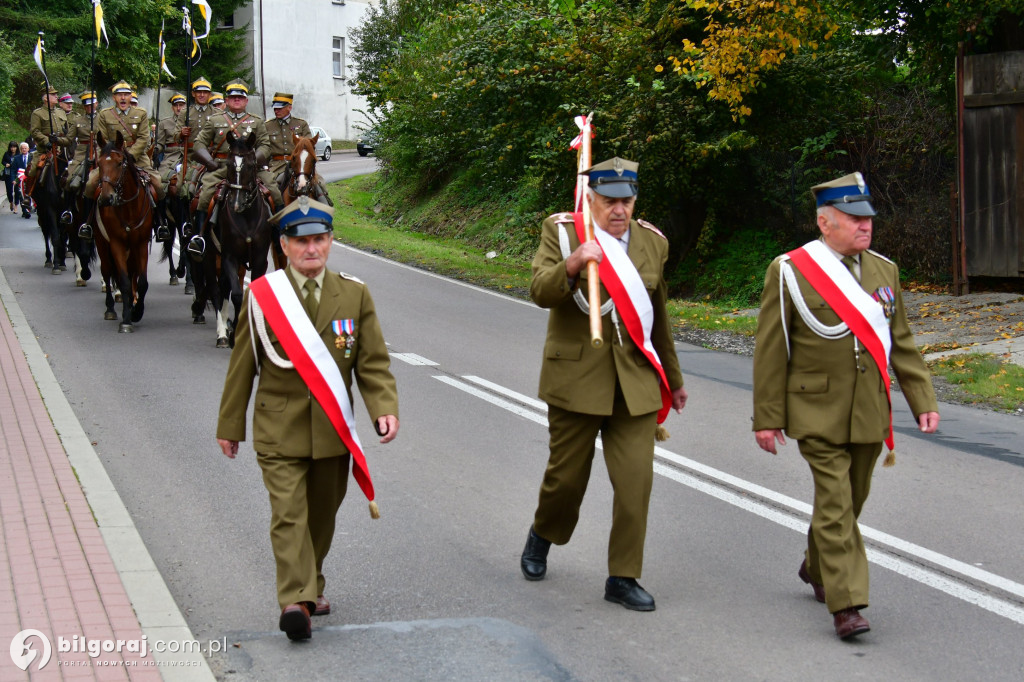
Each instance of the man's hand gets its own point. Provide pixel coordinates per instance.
(186, 132)
(387, 427)
(928, 422)
(679, 397)
(577, 260)
(54, 140)
(228, 447)
(766, 439)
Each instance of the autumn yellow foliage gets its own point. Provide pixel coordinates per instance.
(744, 39)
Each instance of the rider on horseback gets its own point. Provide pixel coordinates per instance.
(133, 124)
(211, 147)
(280, 129)
(83, 129)
(48, 127)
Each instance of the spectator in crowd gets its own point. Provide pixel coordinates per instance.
(19, 168)
(7, 174)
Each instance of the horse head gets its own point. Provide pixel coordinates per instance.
(303, 163)
(114, 164)
(241, 170)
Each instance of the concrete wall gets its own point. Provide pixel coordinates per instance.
(296, 38)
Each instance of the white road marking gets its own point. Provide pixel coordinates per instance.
(413, 359)
(905, 568)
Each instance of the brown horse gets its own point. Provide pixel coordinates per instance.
(124, 222)
(300, 179)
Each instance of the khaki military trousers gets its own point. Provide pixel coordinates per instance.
(835, 549)
(305, 495)
(629, 457)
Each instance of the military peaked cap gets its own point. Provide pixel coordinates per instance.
(616, 178)
(236, 87)
(121, 86)
(282, 99)
(849, 194)
(202, 84)
(304, 217)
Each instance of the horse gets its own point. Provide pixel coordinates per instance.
(300, 179)
(241, 237)
(124, 221)
(49, 200)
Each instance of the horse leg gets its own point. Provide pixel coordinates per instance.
(120, 257)
(46, 243)
(140, 262)
(106, 275)
(221, 302)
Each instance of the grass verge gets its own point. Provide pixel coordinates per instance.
(984, 378)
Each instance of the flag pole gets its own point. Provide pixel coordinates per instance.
(46, 80)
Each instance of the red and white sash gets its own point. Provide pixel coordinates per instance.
(862, 314)
(627, 290)
(307, 351)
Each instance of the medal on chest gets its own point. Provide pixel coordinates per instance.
(346, 338)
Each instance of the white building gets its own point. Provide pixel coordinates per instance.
(301, 47)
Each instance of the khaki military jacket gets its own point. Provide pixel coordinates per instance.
(133, 125)
(168, 141)
(81, 126)
(281, 143)
(214, 133)
(197, 118)
(825, 388)
(576, 376)
(287, 420)
(39, 127)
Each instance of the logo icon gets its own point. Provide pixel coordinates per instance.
(22, 652)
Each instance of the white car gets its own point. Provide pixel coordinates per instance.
(323, 145)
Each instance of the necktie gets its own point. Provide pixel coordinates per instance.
(851, 264)
(311, 302)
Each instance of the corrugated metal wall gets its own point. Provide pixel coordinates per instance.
(993, 129)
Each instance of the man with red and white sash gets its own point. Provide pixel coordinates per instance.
(306, 332)
(621, 390)
(832, 323)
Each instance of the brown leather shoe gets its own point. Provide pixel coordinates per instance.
(819, 590)
(849, 623)
(323, 607)
(295, 622)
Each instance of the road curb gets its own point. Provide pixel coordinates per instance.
(158, 614)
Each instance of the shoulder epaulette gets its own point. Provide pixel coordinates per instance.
(353, 278)
(875, 253)
(561, 217)
(652, 228)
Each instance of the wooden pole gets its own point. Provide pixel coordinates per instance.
(593, 280)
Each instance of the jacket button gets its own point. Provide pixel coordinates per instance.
(558, 353)
(863, 369)
(262, 404)
(802, 387)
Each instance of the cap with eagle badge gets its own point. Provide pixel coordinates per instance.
(236, 87)
(282, 99)
(121, 86)
(217, 98)
(615, 178)
(176, 98)
(849, 194)
(201, 84)
(134, 98)
(304, 217)
(88, 97)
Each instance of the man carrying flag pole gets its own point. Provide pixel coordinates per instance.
(48, 124)
(620, 388)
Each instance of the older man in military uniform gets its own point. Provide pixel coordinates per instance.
(83, 130)
(281, 128)
(305, 462)
(48, 127)
(66, 102)
(615, 389)
(133, 125)
(832, 322)
(212, 146)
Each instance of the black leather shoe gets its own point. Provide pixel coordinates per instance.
(535, 557)
(627, 591)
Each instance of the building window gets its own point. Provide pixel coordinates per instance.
(338, 57)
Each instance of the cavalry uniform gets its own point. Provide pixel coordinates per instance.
(213, 138)
(40, 129)
(280, 130)
(83, 128)
(133, 125)
(198, 116)
(169, 142)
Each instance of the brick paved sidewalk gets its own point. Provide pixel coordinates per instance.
(72, 565)
(56, 575)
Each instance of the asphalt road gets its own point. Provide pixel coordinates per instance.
(432, 590)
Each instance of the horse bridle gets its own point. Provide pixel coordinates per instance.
(294, 181)
(248, 194)
(117, 199)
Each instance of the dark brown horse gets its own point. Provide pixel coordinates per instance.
(49, 202)
(239, 240)
(124, 222)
